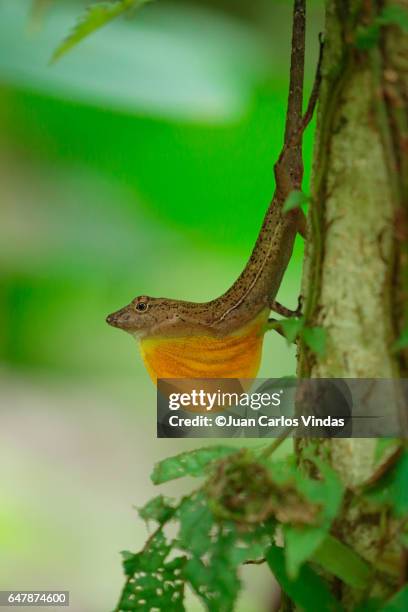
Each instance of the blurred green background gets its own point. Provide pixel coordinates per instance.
(140, 163)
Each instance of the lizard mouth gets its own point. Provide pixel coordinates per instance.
(121, 319)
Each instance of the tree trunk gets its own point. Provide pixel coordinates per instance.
(356, 260)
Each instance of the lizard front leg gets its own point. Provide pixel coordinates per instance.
(276, 326)
(286, 312)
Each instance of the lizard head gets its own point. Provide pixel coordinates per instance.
(147, 316)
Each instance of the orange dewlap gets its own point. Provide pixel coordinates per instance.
(236, 355)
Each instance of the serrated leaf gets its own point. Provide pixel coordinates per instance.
(402, 341)
(341, 561)
(398, 603)
(196, 521)
(212, 568)
(302, 541)
(308, 590)
(193, 463)
(96, 16)
(158, 509)
(245, 490)
(315, 338)
(294, 200)
(391, 490)
(216, 550)
(387, 452)
(368, 37)
(394, 14)
(152, 583)
(151, 557)
(330, 495)
(385, 446)
(369, 605)
(216, 581)
(292, 328)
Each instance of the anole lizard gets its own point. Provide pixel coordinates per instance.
(223, 338)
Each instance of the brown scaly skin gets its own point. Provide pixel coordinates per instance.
(252, 292)
(256, 287)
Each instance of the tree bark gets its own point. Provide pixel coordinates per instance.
(355, 276)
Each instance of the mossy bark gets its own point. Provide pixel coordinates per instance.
(356, 260)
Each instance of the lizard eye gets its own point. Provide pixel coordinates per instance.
(141, 306)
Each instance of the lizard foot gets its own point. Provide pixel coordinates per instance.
(275, 325)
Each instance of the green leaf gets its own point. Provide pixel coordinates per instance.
(149, 558)
(292, 328)
(398, 603)
(385, 446)
(394, 14)
(343, 562)
(216, 550)
(196, 521)
(315, 338)
(216, 581)
(330, 494)
(294, 200)
(95, 17)
(300, 544)
(368, 37)
(391, 490)
(193, 463)
(152, 583)
(369, 605)
(308, 590)
(402, 341)
(253, 543)
(158, 509)
(302, 541)
(212, 570)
